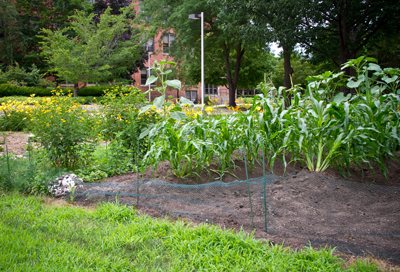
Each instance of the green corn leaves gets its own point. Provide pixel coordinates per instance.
(320, 129)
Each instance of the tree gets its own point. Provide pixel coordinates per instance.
(277, 20)
(116, 5)
(11, 37)
(224, 47)
(94, 51)
(34, 15)
(340, 29)
(301, 67)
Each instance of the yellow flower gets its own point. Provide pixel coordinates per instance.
(48, 124)
(63, 120)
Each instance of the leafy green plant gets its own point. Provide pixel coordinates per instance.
(161, 70)
(72, 194)
(65, 130)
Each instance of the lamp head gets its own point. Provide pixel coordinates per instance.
(194, 16)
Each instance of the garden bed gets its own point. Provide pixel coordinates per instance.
(354, 216)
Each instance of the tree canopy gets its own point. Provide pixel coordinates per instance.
(24, 21)
(225, 50)
(87, 51)
(336, 29)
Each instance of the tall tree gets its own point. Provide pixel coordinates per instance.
(224, 47)
(339, 29)
(95, 51)
(11, 37)
(282, 17)
(34, 15)
(116, 5)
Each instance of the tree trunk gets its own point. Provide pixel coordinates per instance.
(344, 54)
(233, 82)
(287, 82)
(76, 88)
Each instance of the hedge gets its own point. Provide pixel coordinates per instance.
(13, 90)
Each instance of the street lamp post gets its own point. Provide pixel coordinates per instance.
(198, 16)
(149, 76)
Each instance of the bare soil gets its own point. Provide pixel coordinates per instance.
(359, 215)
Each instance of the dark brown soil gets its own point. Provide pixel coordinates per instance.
(358, 217)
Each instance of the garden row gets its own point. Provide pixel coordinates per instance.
(319, 129)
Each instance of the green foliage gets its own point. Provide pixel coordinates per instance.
(114, 238)
(17, 75)
(318, 129)
(301, 70)
(30, 173)
(95, 52)
(121, 115)
(33, 15)
(11, 43)
(64, 129)
(13, 121)
(325, 39)
(14, 90)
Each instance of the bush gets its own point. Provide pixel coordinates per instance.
(14, 90)
(64, 129)
(20, 77)
(121, 120)
(14, 115)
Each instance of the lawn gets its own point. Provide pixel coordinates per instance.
(38, 236)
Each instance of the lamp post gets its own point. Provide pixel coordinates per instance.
(149, 76)
(198, 16)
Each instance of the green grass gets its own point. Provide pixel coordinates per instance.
(39, 237)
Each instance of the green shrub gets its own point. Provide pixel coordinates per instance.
(18, 76)
(65, 130)
(121, 116)
(93, 90)
(14, 90)
(14, 115)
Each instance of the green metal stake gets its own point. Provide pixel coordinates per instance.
(8, 163)
(265, 190)
(248, 185)
(137, 173)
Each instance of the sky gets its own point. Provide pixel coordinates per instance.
(275, 48)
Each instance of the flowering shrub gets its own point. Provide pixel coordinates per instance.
(14, 115)
(64, 129)
(121, 119)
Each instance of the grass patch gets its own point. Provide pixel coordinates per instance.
(38, 237)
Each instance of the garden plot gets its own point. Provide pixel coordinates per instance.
(301, 208)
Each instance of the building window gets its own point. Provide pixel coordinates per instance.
(211, 89)
(149, 45)
(167, 41)
(144, 74)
